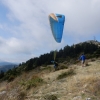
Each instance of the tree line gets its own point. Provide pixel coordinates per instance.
(67, 53)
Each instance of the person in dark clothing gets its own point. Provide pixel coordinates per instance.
(82, 58)
(55, 65)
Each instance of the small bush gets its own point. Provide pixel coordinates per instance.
(33, 82)
(22, 82)
(49, 68)
(63, 67)
(21, 96)
(92, 60)
(11, 78)
(50, 97)
(66, 74)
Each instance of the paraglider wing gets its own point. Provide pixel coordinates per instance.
(57, 25)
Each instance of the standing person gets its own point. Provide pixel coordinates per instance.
(55, 65)
(82, 58)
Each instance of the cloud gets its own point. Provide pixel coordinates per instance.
(83, 18)
(28, 27)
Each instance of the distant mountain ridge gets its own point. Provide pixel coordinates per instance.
(5, 63)
(89, 46)
(4, 66)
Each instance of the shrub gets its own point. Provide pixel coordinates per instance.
(92, 59)
(11, 78)
(49, 68)
(50, 97)
(33, 82)
(66, 74)
(21, 96)
(63, 67)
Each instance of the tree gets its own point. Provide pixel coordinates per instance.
(1, 74)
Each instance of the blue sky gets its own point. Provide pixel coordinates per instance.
(25, 32)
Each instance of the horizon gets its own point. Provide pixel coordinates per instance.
(25, 31)
(44, 53)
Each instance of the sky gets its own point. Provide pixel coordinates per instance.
(25, 31)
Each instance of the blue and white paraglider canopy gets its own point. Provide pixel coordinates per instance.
(57, 25)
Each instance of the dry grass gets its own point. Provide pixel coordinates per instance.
(33, 82)
(2, 88)
(85, 83)
(93, 87)
(50, 97)
(63, 66)
(21, 96)
(69, 72)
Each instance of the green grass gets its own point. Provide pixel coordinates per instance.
(33, 82)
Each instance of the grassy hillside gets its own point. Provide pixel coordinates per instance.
(69, 53)
(71, 82)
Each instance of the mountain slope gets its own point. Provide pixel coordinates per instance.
(82, 85)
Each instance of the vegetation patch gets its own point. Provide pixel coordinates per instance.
(21, 95)
(63, 67)
(49, 68)
(50, 97)
(11, 78)
(93, 59)
(33, 82)
(66, 74)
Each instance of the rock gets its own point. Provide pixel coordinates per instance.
(48, 84)
(3, 92)
(88, 98)
(77, 98)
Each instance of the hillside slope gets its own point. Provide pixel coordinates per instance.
(83, 83)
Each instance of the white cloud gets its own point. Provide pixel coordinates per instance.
(32, 35)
